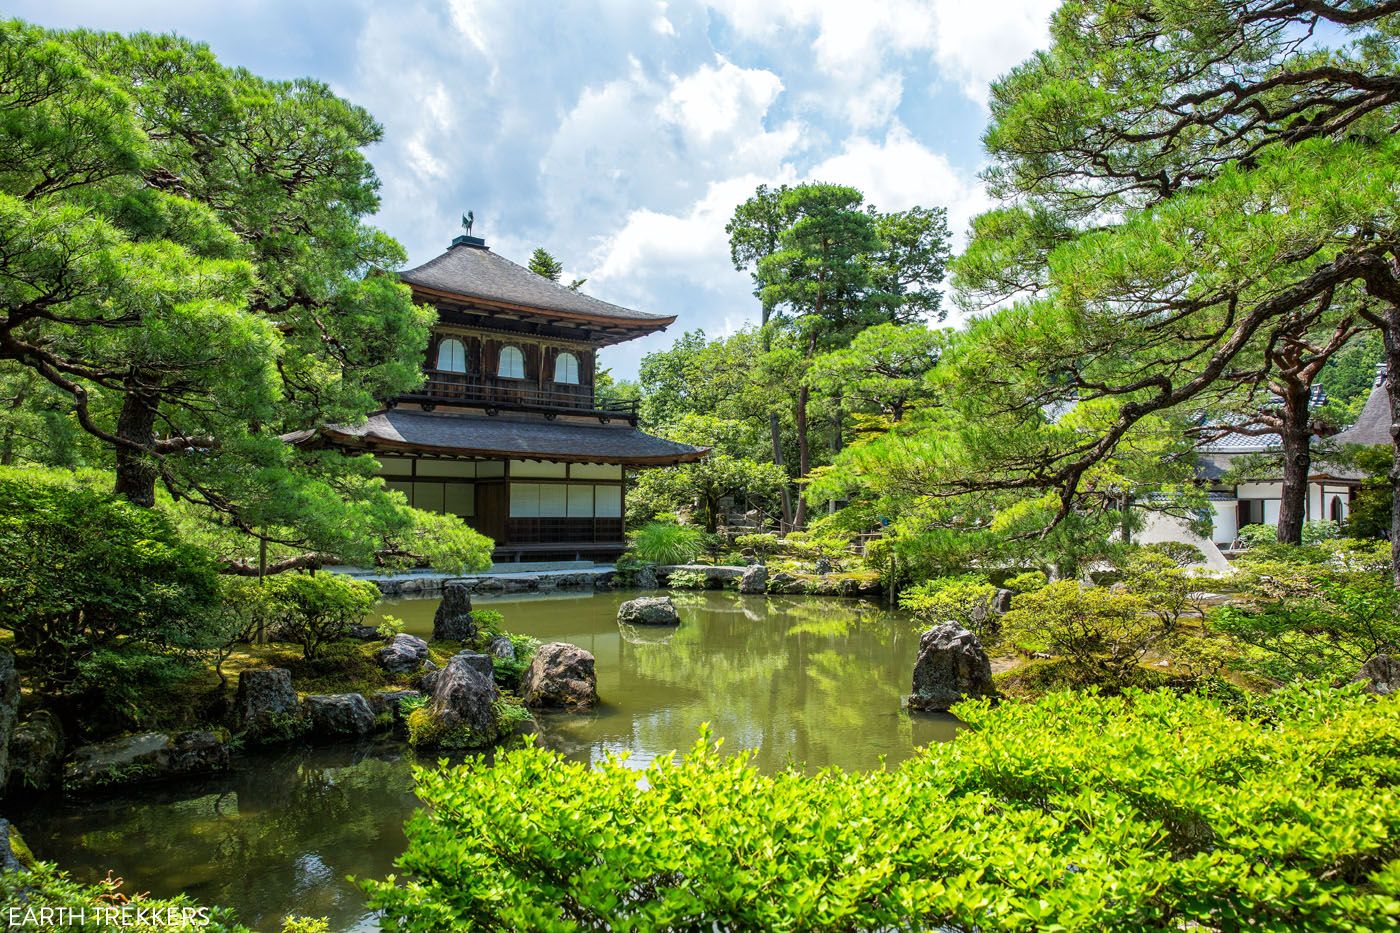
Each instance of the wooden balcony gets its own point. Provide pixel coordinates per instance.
(520, 395)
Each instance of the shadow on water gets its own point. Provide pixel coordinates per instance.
(803, 682)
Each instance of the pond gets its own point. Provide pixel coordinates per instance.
(802, 681)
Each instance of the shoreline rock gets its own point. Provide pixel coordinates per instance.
(266, 707)
(338, 716)
(951, 667)
(36, 754)
(143, 758)
(453, 620)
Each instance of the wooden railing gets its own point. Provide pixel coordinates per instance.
(518, 393)
(563, 531)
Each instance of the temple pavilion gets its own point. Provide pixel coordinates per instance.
(508, 430)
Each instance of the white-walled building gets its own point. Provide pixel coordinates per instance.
(1331, 487)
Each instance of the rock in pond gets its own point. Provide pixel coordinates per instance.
(9, 710)
(646, 578)
(266, 706)
(649, 610)
(463, 707)
(1381, 673)
(145, 757)
(338, 716)
(453, 620)
(952, 666)
(405, 654)
(560, 675)
(755, 580)
(36, 754)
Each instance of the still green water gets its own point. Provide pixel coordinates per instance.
(801, 681)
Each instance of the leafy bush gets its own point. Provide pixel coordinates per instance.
(811, 548)
(46, 887)
(1169, 591)
(1305, 620)
(964, 600)
(1150, 811)
(759, 546)
(687, 580)
(1315, 532)
(314, 610)
(1180, 552)
(1027, 582)
(508, 671)
(666, 543)
(1096, 629)
(1256, 535)
(85, 572)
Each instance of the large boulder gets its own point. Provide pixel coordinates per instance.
(754, 580)
(142, 758)
(560, 675)
(952, 666)
(649, 610)
(403, 655)
(1001, 603)
(336, 716)
(9, 710)
(453, 620)
(646, 578)
(481, 663)
(1381, 674)
(36, 753)
(266, 706)
(463, 708)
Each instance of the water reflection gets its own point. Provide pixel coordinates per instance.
(805, 682)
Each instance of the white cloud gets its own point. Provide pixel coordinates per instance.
(975, 47)
(899, 172)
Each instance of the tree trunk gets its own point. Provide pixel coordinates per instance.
(804, 455)
(136, 472)
(1391, 335)
(774, 428)
(1297, 463)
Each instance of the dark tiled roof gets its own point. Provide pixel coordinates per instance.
(519, 437)
(476, 272)
(1373, 424)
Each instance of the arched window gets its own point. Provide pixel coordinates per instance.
(452, 356)
(1338, 512)
(566, 368)
(512, 365)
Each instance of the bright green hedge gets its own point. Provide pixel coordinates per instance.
(1149, 811)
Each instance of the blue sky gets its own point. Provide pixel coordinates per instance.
(620, 135)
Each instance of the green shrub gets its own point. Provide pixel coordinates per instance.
(964, 600)
(1169, 591)
(687, 579)
(759, 546)
(1094, 628)
(1181, 553)
(509, 671)
(1027, 582)
(1315, 532)
(85, 573)
(667, 543)
(1150, 811)
(811, 547)
(45, 887)
(1256, 535)
(313, 610)
(1302, 620)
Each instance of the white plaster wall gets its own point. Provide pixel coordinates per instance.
(1223, 528)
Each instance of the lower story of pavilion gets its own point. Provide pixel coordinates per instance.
(542, 488)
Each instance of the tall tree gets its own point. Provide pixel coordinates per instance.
(820, 280)
(542, 262)
(185, 259)
(1179, 176)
